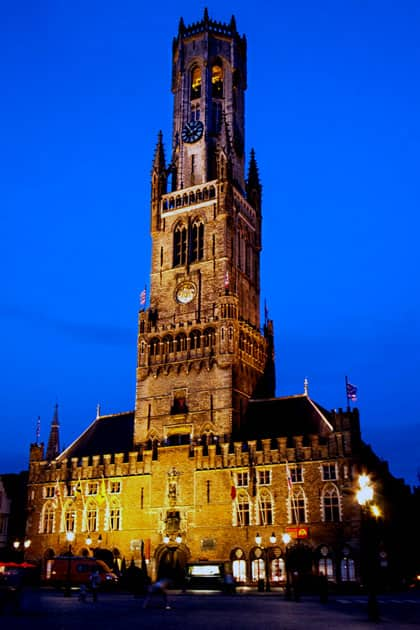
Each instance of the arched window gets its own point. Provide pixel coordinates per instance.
(330, 504)
(180, 245)
(239, 570)
(195, 339)
(114, 518)
(168, 344)
(217, 80)
(243, 509)
(197, 240)
(326, 567)
(277, 570)
(297, 506)
(209, 337)
(47, 519)
(265, 508)
(195, 83)
(154, 346)
(70, 519)
(181, 342)
(347, 570)
(195, 112)
(91, 517)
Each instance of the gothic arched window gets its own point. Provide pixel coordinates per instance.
(330, 504)
(197, 240)
(91, 517)
(243, 509)
(209, 337)
(47, 519)
(297, 505)
(195, 339)
(265, 508)
(154, 346)
(217, 81)
(180, 245)
(114, 517)
(195, 83)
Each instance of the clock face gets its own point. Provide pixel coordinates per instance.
(192, 131)
(185, 292)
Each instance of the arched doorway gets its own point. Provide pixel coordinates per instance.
(171, 561)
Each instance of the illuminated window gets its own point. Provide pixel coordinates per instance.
(70, 520)
(265, 508)
(329, 472)
(114, 518)
(47, 519)
(243, 511)
(258, 569)
(242, 479)
(277, 570)
(239, 570)
(264, 477)
(217, 81)
(330, 504)
(195, 82)
(296, 474)
(115, 487)
(91, 517)
(326, 567)
(297, 506)
(347, 569)
(92, 487)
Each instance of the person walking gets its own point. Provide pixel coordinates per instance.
(95, 582)
(158, 589)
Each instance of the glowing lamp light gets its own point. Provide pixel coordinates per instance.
(70, 537)
(375, 511)
(258, 539)
(166, 539)
(178, 539)
(273, 539)
(286, 538)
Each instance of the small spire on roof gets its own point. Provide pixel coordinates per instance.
(305, 387)
(53, 447)
(98, 410)
(38, 429)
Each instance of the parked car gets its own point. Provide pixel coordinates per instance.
(76, 570)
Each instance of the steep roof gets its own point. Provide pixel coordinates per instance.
(286, 416)
(107, 434)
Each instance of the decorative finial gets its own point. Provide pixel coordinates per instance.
(98, 410)
(305, 387)
(38, 429)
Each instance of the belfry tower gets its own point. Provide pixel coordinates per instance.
(201, 353)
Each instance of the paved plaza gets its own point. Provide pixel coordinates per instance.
(50, 610)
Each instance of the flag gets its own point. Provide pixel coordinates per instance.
(143, 297)
(102, 492)
(289, 479)
(57, 494)
(77, 490)
(351, 391)
(227, 280)
(233, 493)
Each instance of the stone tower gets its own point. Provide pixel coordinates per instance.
(201, 353)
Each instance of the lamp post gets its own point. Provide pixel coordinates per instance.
(20, 547)
(266, 553)
(70, 539)
(368, 535)
(286, 538)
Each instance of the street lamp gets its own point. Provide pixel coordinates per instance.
(364, 496)
(266, 552)
(20, 547)
(286, 538)
(70, 539)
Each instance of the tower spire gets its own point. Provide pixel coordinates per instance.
(53, 447)
(253, 184)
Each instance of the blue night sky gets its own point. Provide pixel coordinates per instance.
(332, 110)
